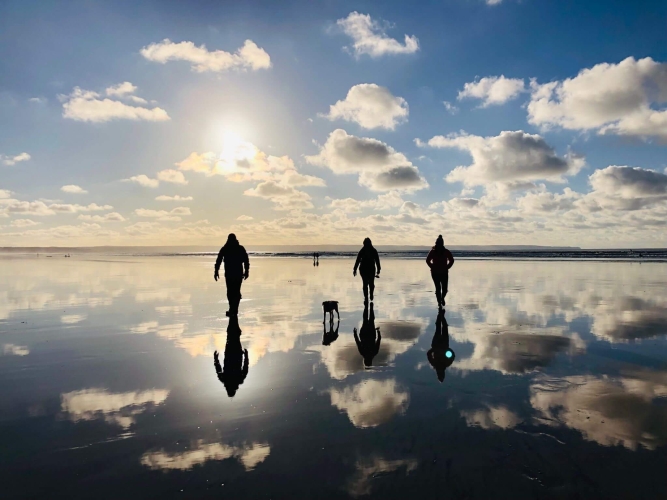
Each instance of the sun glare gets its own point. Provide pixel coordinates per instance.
(235, 149)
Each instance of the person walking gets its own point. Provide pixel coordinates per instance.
(440, 260)
(368, 263)
(237, 268)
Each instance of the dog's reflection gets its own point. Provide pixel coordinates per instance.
(235, 368)
(440, 355)
(369, 337)
(330, 337)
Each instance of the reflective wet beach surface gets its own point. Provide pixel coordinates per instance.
(109, 387)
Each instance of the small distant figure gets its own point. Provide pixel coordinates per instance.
(237, 268)
(330, 337)
(235, 368)
(368, 263)
(440, 260)
(330, 306)
(369, 337)
(316, 259)
(440, 355)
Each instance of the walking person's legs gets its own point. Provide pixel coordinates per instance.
(233, 292)
(444, 279)
(364, 280)
(438, 292)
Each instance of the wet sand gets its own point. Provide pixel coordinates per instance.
(108, 387)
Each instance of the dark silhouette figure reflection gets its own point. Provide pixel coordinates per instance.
(440, 260)
(330, 337)
(236, 259)
(440, 355)
(235, 368)
(368, 339)
(368, 263)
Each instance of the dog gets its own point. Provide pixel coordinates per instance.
(329, 306)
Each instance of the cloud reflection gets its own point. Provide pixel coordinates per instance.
(372, 468)
(250, 455)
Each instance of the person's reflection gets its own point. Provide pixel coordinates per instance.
(330, 337)
(440, 355)
(235, 362)
(367, 341)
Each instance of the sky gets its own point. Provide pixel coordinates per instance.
(540, 122)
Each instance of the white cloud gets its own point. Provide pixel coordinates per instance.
(23, 223)
(493, 90)
(177, 197)
(285, 197)
(115, 408)
(451, 109)
(74, 208)
(87, 106)
(39, 208)
(249, 455)
(250, 56)
(621, 99)
(378, 165)
(510, 156)
(13, 160)
(371, 106)
(370, 38)
(494, 2)
(173, 176)
(371, 402)
(491, 417)
(73, 189)
(110, 217)
(15, 350)
(38, 100)
(163, 215)
(5, 193)
(244, 217)
(71, 319)
(121, 90)
(143, 180)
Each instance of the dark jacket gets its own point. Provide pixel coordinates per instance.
(440, 260)
(367, 260)
(235, 258)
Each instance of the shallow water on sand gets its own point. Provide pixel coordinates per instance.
(108, 387)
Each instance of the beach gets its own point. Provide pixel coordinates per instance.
(108, 384)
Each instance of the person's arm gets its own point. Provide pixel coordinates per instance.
(246, 263)
(377, 260)
(356, 264)
(356, 339)
(429, 259)
(450, 257)
(218, 261)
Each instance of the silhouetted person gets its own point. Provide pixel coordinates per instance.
(368, 262)
(330, 337)
(440, 260)
(440, 355)
(235, 368)
(236, 258)
(367, 341)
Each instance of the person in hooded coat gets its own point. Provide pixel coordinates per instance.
(368, 263)
(440, 260)
(237, 268)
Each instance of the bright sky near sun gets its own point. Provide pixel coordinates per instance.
(304, 122)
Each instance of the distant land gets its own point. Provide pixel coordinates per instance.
(280, 249)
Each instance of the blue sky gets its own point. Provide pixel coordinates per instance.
(554, 132)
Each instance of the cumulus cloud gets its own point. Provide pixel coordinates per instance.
(5, 193)
(627, 98)
(491, 417)
(177, 197)
(121, 89)
(89, 106)
(451, 109)
(15, 350)
(285, 197)
(244, 217)
(73, 189)
(23, 223)
(173, 176)
(119, 408)
(110, 217)
(163, 215)
(250, 56)
(39, 208)
(13, 160)
(510, 156)
(627, 188)
(370, 37)
(493, 90)
(378, 165)
(368, 469)
(143, 180)
(250, 455)
(610, 411)
(371, 402)
(371, 106)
